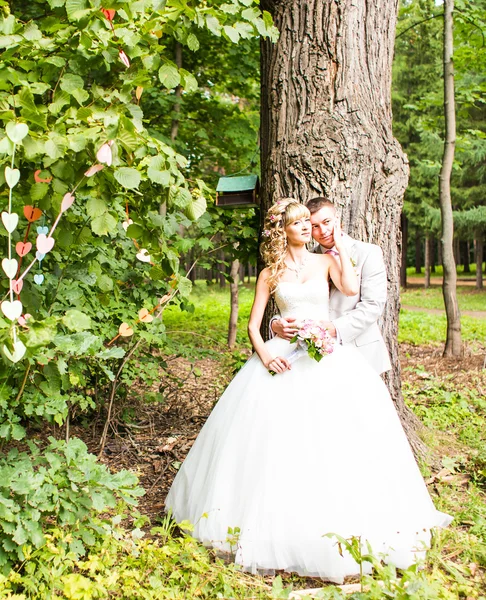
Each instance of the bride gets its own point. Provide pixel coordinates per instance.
(316, 449)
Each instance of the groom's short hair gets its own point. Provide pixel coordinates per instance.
(315, 204)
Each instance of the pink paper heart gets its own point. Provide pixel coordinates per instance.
(67, 201)
(23, 249)
(104, 154)
(93, 170)
(44, 244)
(17, 285)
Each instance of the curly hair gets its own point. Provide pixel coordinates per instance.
(279, 215)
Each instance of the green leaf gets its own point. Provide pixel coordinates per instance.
(128, 178)
(113, 352)
(213, 25)
(232, 33)
(196, 208)
(103, 224)
(192, 42)
(135, 231)
(95, 207)
(169, 76)
(38, 191)
(75, 320)
(76, 9)
(70, 83)
(156, 171)
(189, 82)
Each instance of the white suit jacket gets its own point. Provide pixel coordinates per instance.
(356, 317)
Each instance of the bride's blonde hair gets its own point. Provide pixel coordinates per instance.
(279, 215)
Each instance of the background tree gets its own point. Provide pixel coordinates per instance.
(326, 127)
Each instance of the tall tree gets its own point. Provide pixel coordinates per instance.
(326, 127)
(453, 346)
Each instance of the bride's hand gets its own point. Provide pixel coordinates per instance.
(279, 364)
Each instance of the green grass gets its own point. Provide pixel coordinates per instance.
(210, 316)
(438, 272)
(423, 328)
(468, 297)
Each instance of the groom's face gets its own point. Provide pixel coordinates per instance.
(322, 222)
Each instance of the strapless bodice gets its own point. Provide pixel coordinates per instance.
(309, 300)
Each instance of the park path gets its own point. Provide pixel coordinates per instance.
(437, 281)
(476, 314)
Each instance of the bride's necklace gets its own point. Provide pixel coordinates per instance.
(298, 268)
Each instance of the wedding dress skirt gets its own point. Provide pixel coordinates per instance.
(289, 458)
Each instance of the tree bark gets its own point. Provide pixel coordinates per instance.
(233, 320)
(428, 261)
(403, 264)
(327, 129)
(418, 253)
(478, 256)
(465, 256)
(453, 345)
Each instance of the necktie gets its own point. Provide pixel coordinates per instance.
(332, 251)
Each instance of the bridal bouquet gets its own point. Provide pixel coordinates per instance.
(315, 339)
(312, 339)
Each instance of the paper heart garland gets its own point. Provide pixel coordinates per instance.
(39, 278)
(17, 285)
(43, 229)
(16, 131)
(44, 244)
(9, 267)
(67, 202)
(40, 256)
(93, 170)
(32, 213)
(39, 179)
(109, 13)
(12, 177)
(22, 320)
(126, 224)
(125, 330)
(104, 154)
(10, 221)
(23, 248)
(145, 316)
(18, 351)
(12, 310)
(144, 256)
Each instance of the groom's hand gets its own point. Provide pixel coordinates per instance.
(285, 328)
(330, 327)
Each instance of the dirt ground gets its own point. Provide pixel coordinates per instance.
(160, 435)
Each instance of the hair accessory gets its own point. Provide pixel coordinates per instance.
(266, 233)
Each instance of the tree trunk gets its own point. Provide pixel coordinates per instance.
(233, 320)
(465, 256)
(478, 256)
(403, 264)
(432, 255)
(453, 345)
(326, 128)
(418, 253)
(428, 256)
(221, 270)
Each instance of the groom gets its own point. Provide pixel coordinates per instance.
(353, 319)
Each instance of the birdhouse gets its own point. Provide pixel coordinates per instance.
(238, 192)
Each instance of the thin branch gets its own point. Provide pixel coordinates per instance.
(419, 23)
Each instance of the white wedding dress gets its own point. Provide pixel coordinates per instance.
(318, 449)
